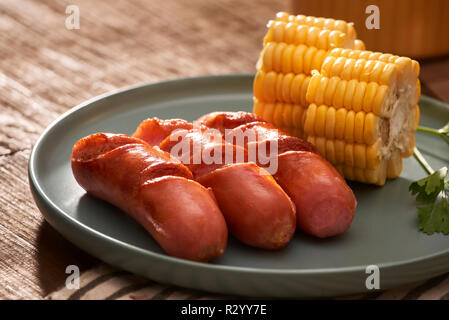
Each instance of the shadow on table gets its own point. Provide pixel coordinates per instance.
(54, 254)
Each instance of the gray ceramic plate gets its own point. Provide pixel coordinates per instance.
(384, 231)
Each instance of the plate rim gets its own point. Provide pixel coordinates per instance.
(38, 191)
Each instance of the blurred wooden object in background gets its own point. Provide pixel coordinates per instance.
(415, 28)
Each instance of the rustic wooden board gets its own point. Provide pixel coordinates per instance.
(45, 69)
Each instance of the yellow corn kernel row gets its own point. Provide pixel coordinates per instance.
(387, 169)
(287, 88)
(358, 127)
(340, 152)
(353, 94)
(407, 69)
(360, 155)
(288, 116)
(294, 33)
(325, 23)
(406, 66)
(343, 124)
(281, 57)
(376, 176)
(359, 69)
(316, 81)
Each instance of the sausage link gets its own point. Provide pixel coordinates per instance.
(257, 210)
(324, 203)
(156, 190)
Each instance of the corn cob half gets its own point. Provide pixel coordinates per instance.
(315, 80)
(362, 114)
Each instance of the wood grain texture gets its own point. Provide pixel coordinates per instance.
(46, 69)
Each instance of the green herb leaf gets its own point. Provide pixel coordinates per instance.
(429, 188)
(445, 226)
(433, 191)
(432, 217)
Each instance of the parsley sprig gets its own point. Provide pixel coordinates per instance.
(432, 192)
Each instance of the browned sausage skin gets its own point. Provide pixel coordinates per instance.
(257, 210)
(201, 151)
(154, 130)
(156, 190)
(221, 120)
(325, 205)
(264, 132)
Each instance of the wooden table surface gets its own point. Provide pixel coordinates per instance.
(45, 69)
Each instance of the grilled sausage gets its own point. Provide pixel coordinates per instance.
(257, 210)
(325, 205)
(156, 190)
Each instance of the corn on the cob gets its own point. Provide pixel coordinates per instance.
(322, 23)
(358, 105)
(316, 81)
